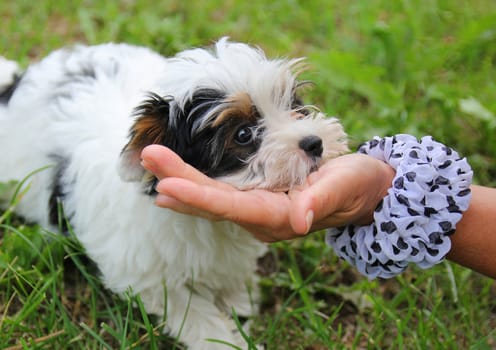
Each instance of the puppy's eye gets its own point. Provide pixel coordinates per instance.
(244, 136)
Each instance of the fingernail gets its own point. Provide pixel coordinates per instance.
(147, 164)
(309, 220)
(163, 200)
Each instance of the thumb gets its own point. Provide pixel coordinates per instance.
(301, 212)
(311, 205)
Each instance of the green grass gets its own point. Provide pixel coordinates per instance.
(383, 67)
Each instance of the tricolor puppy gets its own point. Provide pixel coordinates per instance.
(228, 111)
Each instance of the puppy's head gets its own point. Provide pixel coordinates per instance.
(235, 116)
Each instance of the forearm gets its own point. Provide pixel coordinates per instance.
(474, 242)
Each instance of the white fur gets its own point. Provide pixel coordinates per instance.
(8, 70)
(209, 266)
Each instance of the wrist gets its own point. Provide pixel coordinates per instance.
(382, 182)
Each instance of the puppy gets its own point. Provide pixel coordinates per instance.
(227, 110)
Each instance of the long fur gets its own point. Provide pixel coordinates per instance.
(229, 111)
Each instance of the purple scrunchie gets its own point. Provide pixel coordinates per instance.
(412, 224)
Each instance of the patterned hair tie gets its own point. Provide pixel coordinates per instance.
(412, 224)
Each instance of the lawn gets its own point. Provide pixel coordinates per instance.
(382, 67)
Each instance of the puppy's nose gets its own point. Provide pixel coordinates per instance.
(312, 145)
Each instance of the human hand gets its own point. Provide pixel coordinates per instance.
(184, 189)
(344, 190)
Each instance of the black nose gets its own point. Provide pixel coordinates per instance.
(312, 145)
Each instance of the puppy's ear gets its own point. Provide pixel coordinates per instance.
(150, 127)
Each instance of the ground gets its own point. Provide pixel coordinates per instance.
(382, 67)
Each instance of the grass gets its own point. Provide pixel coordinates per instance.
(383, 67)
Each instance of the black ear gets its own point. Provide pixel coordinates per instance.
(150, 127)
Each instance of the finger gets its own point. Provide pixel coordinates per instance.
(263, 237)
(254, 207)
(164, 201)
(300, 218)
(310, 205)
(173, 204)
(163, 162)
(262, 213)
(271, 235)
